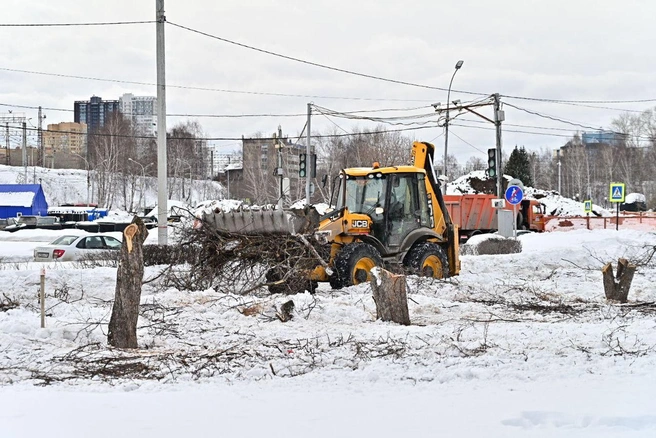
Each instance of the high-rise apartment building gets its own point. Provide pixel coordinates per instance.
(141, 111)
(94, 112)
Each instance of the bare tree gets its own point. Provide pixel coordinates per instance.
(109, 150)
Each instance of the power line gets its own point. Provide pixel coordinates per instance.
(35, 107)
(315, 64)
(109, 23)
(557, 119)
(547, 134)
(540, 99)
(220, 90)
(468, 143)
(98, 134)
(597, 107)
(227, 116)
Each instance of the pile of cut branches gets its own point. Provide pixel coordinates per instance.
(245, 262)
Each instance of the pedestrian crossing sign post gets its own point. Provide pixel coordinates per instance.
(617, 193)
(587, 206)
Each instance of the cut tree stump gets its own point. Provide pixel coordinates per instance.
(129, 277)
(285, 312)
(618, 290)
(390, 295)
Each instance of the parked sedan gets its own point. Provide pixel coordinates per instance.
(70, 248)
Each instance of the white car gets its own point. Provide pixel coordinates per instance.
(71, 248)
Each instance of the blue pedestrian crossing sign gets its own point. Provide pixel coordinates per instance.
(514, 195)
(617, 192)
(587, 206)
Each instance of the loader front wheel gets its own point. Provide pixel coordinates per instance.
(427, 259)
(353, 265)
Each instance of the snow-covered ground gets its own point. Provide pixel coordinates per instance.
(517, 345)
(69, 186)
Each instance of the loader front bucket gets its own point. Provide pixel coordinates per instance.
(263, 221)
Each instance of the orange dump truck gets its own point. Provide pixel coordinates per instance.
(474, 214)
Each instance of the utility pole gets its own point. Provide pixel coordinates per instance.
(499, 117)
(25, 152)
(308, 152)
(8, 157)
(162, 198)
(559, 164)
(279, 171)
(39, 140)
(211, 164)
(227, 170)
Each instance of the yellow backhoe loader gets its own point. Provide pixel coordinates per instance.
(381, 216)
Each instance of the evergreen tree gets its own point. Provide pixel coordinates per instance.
(519, 166)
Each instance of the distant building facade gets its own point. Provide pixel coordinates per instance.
(603, 137)
(66, 137)
(261, 182)
(141, 111)
(65, 145)
(94, 112)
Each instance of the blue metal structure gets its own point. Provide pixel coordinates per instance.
(22, 199)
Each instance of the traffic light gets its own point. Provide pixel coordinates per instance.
(492, 163)
(302, 165)
(313, 165)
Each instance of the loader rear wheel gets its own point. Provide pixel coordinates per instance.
(427, 259)
(353, 265)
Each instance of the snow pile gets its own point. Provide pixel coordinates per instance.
(635, 197)
(16, 199)
(224, 205)
(487, 244)
(555, 204)
(173, 208)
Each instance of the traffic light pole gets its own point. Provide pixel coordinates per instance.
(498, 118)
(308, 151)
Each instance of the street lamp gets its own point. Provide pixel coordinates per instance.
(446, 122)
(143, 183)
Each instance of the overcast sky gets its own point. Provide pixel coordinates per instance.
(572, 50)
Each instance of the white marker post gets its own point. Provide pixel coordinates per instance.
(42, 297)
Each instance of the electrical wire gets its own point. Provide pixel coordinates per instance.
(466, 142)
(98, 134)
(220, 90)
(557, 119)
(110, 23)
(597, 107)
(540, 99)
(229, 115)
(315, 64)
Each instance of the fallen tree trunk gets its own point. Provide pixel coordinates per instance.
(129, 277)
(390, 296)
(618, 290)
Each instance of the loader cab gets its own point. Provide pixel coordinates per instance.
(397, 203)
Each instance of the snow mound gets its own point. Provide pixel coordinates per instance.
(489, 244)
(477, 182)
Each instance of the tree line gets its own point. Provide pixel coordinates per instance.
(116, 156)
(121, 161)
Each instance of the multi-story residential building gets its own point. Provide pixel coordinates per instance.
(65, 145)
(66, 137)
(141, 111)
(261, 158)
(94, 112)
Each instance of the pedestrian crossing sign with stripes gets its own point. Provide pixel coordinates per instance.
(587, 206)
(617, 192)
